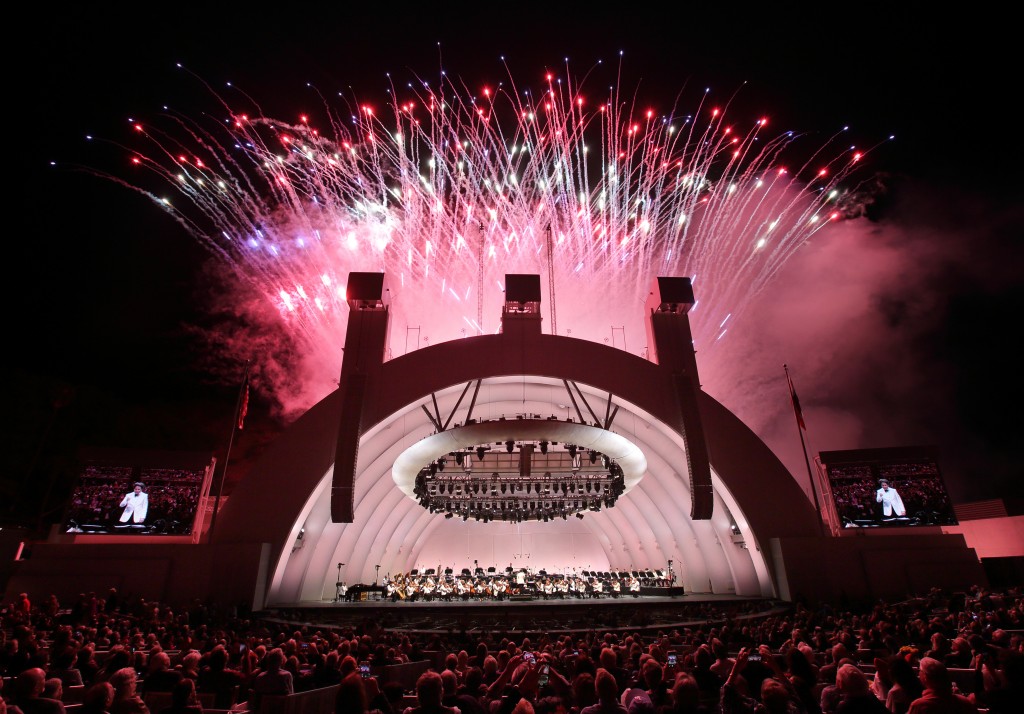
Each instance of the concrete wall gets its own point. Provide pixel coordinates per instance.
(174, 574)
(869, 566)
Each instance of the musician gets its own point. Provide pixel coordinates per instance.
(634, 585)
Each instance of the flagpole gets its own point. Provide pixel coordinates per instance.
(235, 418)
(800, 427)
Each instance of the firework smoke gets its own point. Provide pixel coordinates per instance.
(447, 190)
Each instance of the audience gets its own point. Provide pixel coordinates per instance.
(792, 659)
(939, 697)
(183, 699)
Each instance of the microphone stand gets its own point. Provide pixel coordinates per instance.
(338, 585)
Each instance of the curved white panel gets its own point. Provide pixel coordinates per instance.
(649, 525)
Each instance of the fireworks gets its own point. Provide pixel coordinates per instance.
(447, 190)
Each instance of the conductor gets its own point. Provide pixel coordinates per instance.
(891, 502)
(135, 504)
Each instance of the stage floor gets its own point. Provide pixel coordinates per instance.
(535, 615)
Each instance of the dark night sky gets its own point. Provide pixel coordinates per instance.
(104, 285)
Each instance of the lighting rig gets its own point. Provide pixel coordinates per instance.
(519, 481)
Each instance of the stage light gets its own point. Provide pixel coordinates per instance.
(543, 447)
(572, 450)
(480, 451)
(458, 458)
(510, 445)
(593, 457)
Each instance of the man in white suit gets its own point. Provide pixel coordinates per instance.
(891, 502)
(135, 505)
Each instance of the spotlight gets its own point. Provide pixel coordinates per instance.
(509, 445)
(440, 464)
(480, 451)
(593, 457)
(543, 447)
(572, 450)
(458, 458)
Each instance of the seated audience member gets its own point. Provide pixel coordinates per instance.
(183, 699)
(218, 679)
(328, 672)
(1003, 691)
(85, 662)
(686, 697)
(28, 694)
(882, 680)
(117, 659)
(938, 697)
(189, 667)
(273, 680)
(829, 694)
(584, 692)
(393, 693)
(776, 696)
(6, 708)
(160, 677)
(905, 688)
(53, 689)
(429, 692)
(607, 691)
(126, 699)
(466, 703)
(97, 699)
(352, 697)
(62, 667)
(857, 697)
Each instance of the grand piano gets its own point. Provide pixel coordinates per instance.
(361, 591)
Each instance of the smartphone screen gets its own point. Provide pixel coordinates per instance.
(364, 671)
(671, 660)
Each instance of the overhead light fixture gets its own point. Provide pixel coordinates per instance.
(559, 482)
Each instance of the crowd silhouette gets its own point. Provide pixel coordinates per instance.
(112, 654)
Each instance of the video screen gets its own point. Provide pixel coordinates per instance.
(129, 499)
(887, 488)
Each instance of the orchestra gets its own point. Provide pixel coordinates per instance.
(446, 585)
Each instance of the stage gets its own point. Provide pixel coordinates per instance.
(529, 616)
